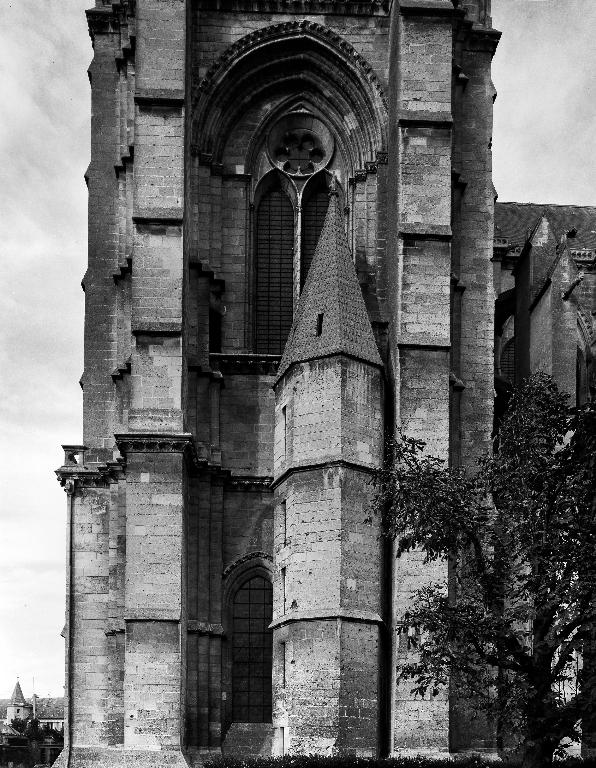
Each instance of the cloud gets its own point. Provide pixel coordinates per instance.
(545, 113)
(44, 54)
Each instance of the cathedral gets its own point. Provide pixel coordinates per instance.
(294, 249)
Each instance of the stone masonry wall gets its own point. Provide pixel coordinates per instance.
(155, 600)
(418, 305)
(88, 682)
(327, 599)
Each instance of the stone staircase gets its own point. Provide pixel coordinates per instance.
(248, 740)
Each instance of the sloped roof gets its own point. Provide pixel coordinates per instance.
(516, 221)
(8, 730)
(49, 708)
(17, 695)
(332, 291)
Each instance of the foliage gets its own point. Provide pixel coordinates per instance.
(520, 538)
(19, 724)
(346, 761)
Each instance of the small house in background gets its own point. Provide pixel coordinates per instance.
(10, 737)
(18, 708)
(48, 711)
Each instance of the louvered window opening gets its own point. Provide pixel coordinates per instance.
(252, 646)
(508, 361)
(313, 218)
(274, 273)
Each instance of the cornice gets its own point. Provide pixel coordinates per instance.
(311, 7)
(422, 119)
(204, 628)
(248, 482)
(153, 442)
(435, 8)
(74, 474)
(247, 364)
(361, 617)
(162, 98)
(318, 466)
(422, 231)
(101, 21)
(173, 215)
(110, 19)
(482, 39)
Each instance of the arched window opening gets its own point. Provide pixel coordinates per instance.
(273, 271)
(252, 651)
(508, 361)
(314, 210)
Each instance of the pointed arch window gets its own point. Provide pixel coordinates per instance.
(315, 203)
(252, 649)
(273, 270)
(288, 223)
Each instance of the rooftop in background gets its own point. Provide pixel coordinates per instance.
(515, 222)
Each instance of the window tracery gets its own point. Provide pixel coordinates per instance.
(290, 213)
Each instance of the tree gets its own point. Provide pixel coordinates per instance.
(521, 537)
(19, 724)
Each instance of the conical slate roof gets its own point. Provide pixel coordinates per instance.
(17, 695)
(331, 317)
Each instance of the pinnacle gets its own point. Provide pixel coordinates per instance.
(331, 317)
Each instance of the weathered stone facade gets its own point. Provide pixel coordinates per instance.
(223, 590)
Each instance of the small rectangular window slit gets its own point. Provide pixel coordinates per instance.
(320, 324)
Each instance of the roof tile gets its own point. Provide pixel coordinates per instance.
(331, 317)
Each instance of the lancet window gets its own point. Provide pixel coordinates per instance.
(291, 202)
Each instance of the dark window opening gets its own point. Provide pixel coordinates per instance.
(252, 652)
(508, 361)
(274, 272)
(314, 210)
(320, 324)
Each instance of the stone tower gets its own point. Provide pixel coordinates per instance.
(217, 128)
(327, 600)
(18, 708)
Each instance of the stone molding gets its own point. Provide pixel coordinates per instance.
(245, 559)
(319, 466)
(154, 442)
(165, 98)
(248, 482)
(290, 29)
(336, 7)
(204, 628)
(361, 617)
(236, 364)
(422, 231)
(440, 8)
(424, 119)
(173, 215)
(74, 474)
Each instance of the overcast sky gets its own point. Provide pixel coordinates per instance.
(545, 124)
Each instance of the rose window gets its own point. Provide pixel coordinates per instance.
(300, 144)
